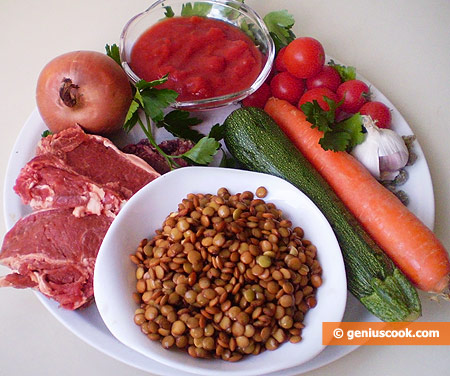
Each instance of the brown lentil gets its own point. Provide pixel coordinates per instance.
(225, 276)
(261, 192)
(316, 280)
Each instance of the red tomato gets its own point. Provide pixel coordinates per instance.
(285, 86)
(304, 57)
(327, 77)
(279, 63)
(318, 94)
(258, 98)
(379, 113)
(355, 93)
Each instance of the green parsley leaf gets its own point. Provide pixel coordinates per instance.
(341, 136)
(280, 24)
(169, 12)
(138, 98)
(246, 28)
(336, 141)
(317, 117)
(203, 151)
(199, 9)
(132, 115)
(113, 52)
(178, 123)
(153, 101)
(156, 100)
(346, 73)
(181, 117)
(231, 13)
(46, 133)
(142, 84)
(354, 127)
(217, 131)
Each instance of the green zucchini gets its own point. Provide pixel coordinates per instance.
(256, 141)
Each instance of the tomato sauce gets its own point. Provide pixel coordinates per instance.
(204, 57)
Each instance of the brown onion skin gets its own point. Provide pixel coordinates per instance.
(103, 95)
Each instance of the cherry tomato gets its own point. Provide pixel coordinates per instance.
(258, 98)
(379, 113)
(318, 94)
(279, 63)
(304, 57)
(327, 77)
(355, 93)
(285, 86)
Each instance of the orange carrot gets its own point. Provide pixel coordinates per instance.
(405, 239)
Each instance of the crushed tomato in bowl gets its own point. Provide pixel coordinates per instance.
(204, 57)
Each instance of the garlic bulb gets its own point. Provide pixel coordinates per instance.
(383, 152)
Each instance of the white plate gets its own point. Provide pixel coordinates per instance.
(115, 281)
(87, 323)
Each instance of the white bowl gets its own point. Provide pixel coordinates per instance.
(114, 277)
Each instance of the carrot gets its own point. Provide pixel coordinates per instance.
(404, 238)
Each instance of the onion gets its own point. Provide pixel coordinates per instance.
(86, 88)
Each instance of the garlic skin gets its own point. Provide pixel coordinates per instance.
(383, 152)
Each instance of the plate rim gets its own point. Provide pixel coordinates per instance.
(330, 356)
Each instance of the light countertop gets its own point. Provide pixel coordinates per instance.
(402, 47)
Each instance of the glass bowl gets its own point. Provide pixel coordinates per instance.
(230, 11)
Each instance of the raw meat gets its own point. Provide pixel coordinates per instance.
(54, 252)
(149, 154)
(80, 182)
(46, 182)
(98, 159)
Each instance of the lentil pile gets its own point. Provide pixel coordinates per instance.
(225, 276)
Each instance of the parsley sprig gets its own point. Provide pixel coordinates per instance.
(113, 52)
(152, 102)
(346, 73)
(179, 123)
(280, 24)
(198, 9)
(337, 136)
(189, 9)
